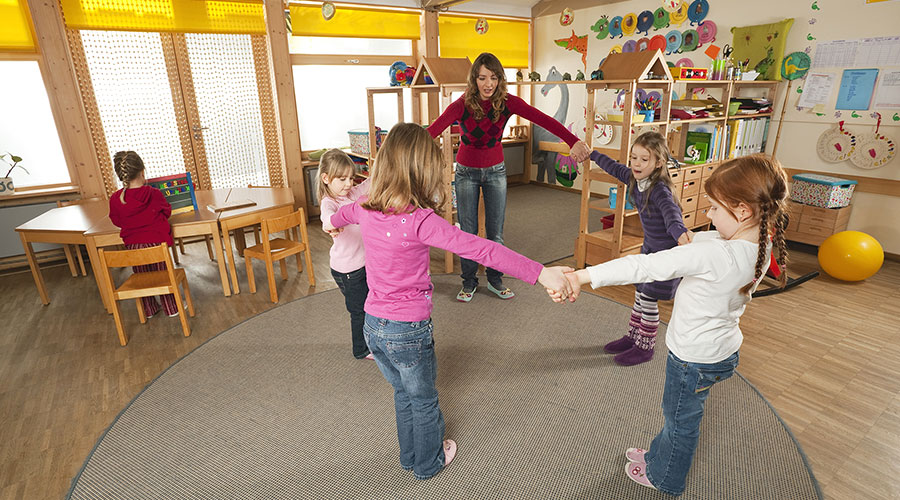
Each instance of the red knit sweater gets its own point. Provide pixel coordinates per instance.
(480, 145)
(144, 217)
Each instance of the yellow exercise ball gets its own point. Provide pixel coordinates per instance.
(851, 255)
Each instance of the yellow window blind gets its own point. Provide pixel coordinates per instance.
(506, 39)
(184, 16)
(360, 22)
(15, 34)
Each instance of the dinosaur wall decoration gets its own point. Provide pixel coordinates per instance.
(576, 43)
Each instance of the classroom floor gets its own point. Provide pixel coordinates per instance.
(825, 355)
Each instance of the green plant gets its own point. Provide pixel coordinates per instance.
(15, 163)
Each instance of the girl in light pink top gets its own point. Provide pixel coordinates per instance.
(348, 257)
(399, 223)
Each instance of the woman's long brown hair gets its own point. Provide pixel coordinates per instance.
(473, 97)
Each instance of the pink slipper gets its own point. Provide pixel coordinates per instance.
(369, 357)
(449, 451)
(637, 472)
(635, 455)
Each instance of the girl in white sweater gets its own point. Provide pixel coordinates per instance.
(720, 270)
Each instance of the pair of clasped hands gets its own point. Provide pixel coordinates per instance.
(563, 283)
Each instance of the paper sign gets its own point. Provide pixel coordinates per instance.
(888, 93)
(712, 51)
(857, 86)
(816, 90)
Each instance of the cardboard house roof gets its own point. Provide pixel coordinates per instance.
(635, 66)
(443, 70)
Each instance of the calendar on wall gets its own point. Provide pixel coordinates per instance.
(178, 191)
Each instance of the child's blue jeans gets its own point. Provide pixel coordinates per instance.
(404, 352)
(672, 450)
(355, 289)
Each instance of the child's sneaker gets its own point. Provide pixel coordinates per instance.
(637, 472)
(619, 346)
(502, 291)
(449, 451)
(635, 454)
(173, 314)
(465, 295)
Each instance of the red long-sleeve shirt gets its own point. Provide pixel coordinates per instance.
(480, 145)
(144, 217)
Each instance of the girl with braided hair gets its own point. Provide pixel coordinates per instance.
(720, 270)
(142, 214)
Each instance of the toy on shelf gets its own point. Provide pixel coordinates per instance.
(534, 76)
(401, 74)
(689, 73)
(178, 190)
(579, 76)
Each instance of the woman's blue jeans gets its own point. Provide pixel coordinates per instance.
(492, 183)
(404, 352)
(686, 388)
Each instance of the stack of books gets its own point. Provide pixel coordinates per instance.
(746, 137)
(685, 109)
(752, 105)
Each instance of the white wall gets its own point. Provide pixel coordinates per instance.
(835, 19)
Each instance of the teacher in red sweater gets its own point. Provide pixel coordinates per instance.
(482, 113)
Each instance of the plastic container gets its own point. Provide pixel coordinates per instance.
(359, 140)
(822, 190)
(612, 200)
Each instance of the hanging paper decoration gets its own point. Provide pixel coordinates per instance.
(873, 151)
(601, 27)
(644, 22)
(328, 10)
(615, 27)
(616, 49)
(566, 17)
(660, 19)
(697, 11)
(684, 62)
(643, 44)
(629, 46)
(673, 42)
(690, 40)
(658, 42)
(629, 24)
(672, 5)
(576, 43)
(679, 16)
(566, 169)
(481, 26)
(795, 65)
(836, 144)
(707, 32)
(712, 51)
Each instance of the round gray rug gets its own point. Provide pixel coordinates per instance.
(277, 407)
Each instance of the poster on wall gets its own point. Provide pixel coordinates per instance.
(888, 93)
(857, 86)
(816, 90)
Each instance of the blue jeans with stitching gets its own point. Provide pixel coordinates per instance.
(684, 395)
(404, 352)
(492, 183)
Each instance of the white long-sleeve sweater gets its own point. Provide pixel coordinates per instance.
(705, 323)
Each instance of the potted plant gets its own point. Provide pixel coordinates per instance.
(6, 182)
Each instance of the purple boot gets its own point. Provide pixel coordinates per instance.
(616, 346)
(634, 356)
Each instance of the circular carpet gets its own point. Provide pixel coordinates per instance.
(276, 407)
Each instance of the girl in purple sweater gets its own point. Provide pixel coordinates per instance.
(650, 190)
(482, 113)
(398, 223)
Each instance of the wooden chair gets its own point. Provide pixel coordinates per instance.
(279, 249)
(69, 249)
(145, 284)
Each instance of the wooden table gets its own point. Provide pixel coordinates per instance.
(194, 223)
(270, 202)
(64, 225)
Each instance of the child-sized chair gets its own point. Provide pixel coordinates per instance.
(146, 284)
(279, 249)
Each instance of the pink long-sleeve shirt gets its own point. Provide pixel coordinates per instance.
(347, 251)
(397, 257)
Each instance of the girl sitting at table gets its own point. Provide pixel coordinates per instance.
(142, 214)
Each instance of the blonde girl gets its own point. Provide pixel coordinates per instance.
(399, 221)
(348, 257)
(650, 190)
(720, 270)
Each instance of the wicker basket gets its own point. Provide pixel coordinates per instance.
(359, 140)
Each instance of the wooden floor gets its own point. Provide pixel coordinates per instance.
(826, 355)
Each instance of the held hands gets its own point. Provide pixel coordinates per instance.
(575, 279)
(686, 237)
(580, 151)
(554, 280)
(328, 228)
